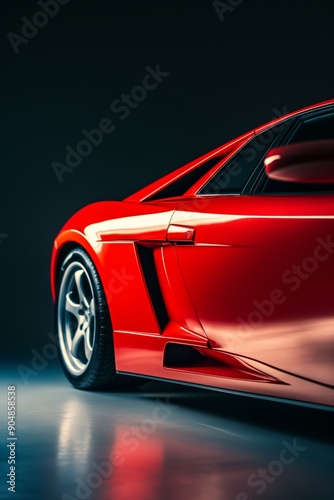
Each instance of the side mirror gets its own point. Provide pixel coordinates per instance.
(304, 162)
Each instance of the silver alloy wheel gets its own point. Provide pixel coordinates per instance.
(76, 318)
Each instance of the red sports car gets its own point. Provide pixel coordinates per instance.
(219, 274)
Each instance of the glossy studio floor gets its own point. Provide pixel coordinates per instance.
(163, 441)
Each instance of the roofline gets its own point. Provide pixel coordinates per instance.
(301, 111)
(226, 148)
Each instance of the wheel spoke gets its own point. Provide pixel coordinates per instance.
(78, 337)
(71, 306)
(78, 278)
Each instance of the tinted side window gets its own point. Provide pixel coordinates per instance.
(181, 185)
(233, 176)
(312, 129)
(315, 129)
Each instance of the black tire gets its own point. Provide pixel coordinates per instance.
(82, 315)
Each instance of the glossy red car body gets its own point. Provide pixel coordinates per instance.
(244, 280)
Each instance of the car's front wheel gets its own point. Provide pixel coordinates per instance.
(84, 325)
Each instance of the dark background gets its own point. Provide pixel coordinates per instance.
(225, 78)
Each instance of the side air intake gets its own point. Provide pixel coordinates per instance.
(181, 355)
(146, 258)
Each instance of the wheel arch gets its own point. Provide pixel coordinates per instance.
(63, 244)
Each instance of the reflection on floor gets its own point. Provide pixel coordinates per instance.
(163, 441)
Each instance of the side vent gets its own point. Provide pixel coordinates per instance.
(205, 361)
(177, 355)
(146, 258)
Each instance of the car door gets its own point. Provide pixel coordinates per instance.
(258, 266)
